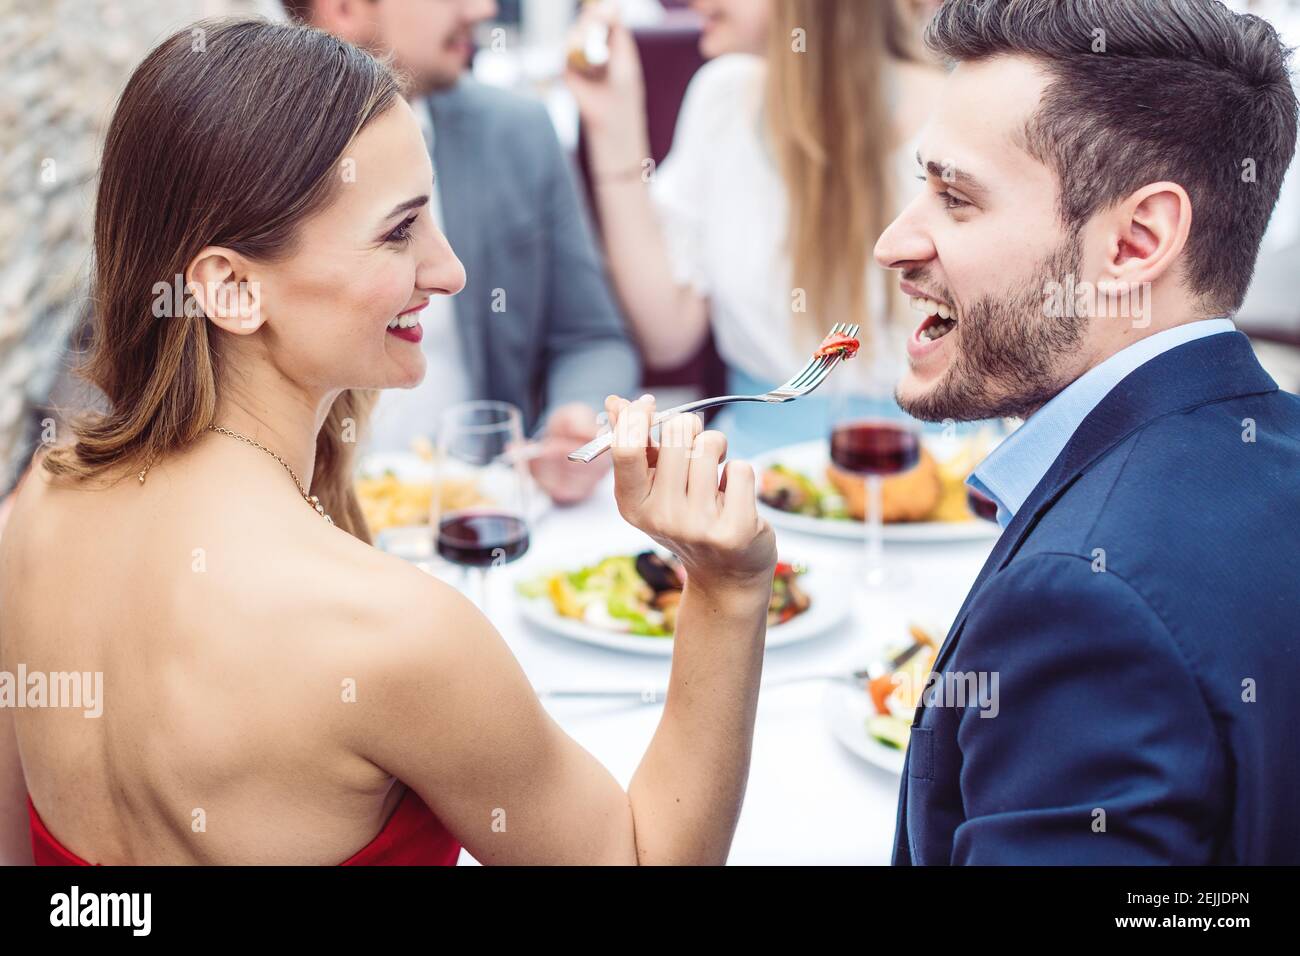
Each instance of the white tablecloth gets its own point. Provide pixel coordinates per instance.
(809, 800)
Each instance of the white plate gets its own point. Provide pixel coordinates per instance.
(811, 459)
(846, 709)
(828, 591)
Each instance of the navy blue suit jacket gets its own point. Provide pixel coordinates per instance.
(1142, 613)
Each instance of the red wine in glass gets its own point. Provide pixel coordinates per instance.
(875, 448)
(482, 539)
(981, 505)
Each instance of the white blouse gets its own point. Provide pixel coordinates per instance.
(723, 209)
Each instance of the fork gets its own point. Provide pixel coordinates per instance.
(802, 383)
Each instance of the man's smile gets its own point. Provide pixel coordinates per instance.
(939, 318)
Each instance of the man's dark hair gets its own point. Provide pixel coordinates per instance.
(1145, 91)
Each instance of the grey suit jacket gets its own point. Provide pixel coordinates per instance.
(539, 324)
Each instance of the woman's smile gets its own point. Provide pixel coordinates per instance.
(406, 325)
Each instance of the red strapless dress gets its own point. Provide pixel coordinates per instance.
(413, 836)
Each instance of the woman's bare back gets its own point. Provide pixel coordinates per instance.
(220, 625)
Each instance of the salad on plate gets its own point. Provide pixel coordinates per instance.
(640, 593)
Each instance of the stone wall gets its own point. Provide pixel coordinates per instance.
(62, 64)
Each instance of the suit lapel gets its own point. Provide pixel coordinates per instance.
(456, 170)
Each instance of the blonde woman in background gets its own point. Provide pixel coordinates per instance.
(793, 148)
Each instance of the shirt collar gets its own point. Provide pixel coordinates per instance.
(1015, 467)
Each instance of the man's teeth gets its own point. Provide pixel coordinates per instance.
(931, 307)
(937, 330)
(405, 321)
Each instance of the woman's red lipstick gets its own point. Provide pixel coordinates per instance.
(412, 333)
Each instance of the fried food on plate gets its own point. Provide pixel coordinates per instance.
(389, 502)
(909, 496)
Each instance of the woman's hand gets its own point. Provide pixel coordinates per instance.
(611, 100)
(673, 493)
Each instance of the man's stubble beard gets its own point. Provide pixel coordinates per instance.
(1012, 357)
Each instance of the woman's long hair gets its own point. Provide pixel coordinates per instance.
(829, 118)
(227, 134)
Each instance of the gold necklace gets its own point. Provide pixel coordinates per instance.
(310, 499)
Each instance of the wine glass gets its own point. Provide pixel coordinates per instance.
(874, 442)
(981, 505)
(480, 492)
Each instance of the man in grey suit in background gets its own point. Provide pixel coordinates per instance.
(536, 324)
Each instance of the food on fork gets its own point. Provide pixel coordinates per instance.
(846, 346)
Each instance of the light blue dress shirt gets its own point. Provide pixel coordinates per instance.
(1015, 467)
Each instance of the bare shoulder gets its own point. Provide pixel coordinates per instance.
(38, 488)
(380, 603)
(31, 485)
(19, 506)
(395, 592)
(395, 634)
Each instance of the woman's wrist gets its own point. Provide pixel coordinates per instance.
(629, 173)
(738, 597)
(611, 156)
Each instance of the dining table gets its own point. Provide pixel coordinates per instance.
(809, 799)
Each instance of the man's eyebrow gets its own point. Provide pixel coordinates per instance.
(951, 174)
(410, 204)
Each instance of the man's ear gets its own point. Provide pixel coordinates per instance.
(219, 281)
(1150, 233)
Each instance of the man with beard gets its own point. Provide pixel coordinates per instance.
(1140, 608)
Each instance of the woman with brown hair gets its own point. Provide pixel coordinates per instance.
(275, 690)
(792, 151)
